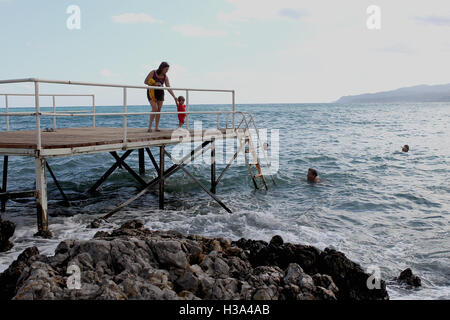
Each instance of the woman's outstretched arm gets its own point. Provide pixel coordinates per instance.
(170, 91)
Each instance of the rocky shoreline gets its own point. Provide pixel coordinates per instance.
(133, 262)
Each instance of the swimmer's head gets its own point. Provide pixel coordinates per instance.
(405, 148)
(312, 175)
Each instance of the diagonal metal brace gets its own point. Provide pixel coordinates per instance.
(230, 163)
(109, 172)
(131, 171)
(182, 166)
(66, 200)
(152, 158)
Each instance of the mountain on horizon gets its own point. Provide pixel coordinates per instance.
(420, 93)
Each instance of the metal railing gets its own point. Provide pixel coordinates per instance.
(8, 114)
(38, 113)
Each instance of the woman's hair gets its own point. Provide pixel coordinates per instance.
(162, 66)
(180, 98)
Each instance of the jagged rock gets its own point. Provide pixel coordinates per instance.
(407, 277)
(133, 262)
(9, 278)
(7, 229)
(96, 223)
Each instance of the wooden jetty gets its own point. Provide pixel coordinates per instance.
(60, 142)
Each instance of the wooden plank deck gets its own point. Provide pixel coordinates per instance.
(84, 137)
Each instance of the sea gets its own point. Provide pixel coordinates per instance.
(385, 209)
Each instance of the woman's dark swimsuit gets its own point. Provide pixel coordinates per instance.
(158, 94)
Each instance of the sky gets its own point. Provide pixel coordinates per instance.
(284, 51)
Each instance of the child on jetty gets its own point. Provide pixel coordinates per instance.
(181, 108)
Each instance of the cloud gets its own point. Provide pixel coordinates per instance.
(135, 18)
(236, 44)
(108, 73)
(396, 48)
(440, 21)
(292, 13)
(263, 10)
(188, 30)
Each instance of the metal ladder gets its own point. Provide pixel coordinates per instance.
(251, 149)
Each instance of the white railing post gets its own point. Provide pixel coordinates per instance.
(233, 107)
(54, 113)
(6, 107)
(187, 109)
(38, 118)
(124, 117)
(93, 110)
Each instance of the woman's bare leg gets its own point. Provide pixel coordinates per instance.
(152, 116)
(158, 116)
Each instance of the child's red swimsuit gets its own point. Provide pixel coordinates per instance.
(181, 117)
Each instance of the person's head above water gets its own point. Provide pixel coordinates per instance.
(312, 175)
(405, 148)
(163, 68)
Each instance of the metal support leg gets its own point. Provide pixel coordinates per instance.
(161, 175)
(141, 162)
(5, 181)
(66, 200)
(41, 198)
(213, 166)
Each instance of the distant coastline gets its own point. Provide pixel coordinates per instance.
(420, 93)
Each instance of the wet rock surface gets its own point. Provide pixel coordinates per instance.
(7, 229)
(133, 262)
(407, 277)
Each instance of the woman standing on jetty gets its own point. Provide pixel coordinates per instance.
(157, 78)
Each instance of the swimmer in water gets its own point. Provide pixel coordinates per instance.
(405, 148)
(312, 176)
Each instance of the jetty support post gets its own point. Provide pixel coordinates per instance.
(41, 198)
(4, 182)
(213, 165)
(141, 162)
(161, 177)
